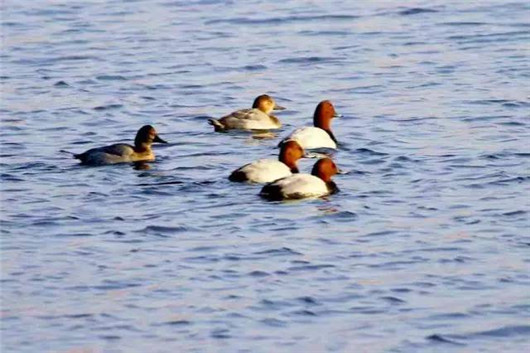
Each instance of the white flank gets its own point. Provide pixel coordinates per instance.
(312, 137)
(265, 171)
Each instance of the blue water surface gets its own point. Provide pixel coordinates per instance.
(425, 249)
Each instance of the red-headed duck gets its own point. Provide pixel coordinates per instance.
(124, 153)
(256, 118)
(267, 170)
(299, 186)
(319, 135)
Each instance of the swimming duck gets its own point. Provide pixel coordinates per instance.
(256, 118)
(267, 170)
(124, 153)
(319, 135)
(299, 186)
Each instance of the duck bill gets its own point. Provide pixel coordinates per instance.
(159, 140)
(337, 115)
(278, 107)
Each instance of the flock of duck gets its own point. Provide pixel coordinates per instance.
(281, 177)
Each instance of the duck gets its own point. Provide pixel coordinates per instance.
(267, 170)
(300, 186)
(122, 152)
(256, 118)
(319, 135)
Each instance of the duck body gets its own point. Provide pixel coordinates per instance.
(267, 170)
(247, 119)
(319, 135)
(311, 137)
(300, 186)
(261, 171)
(256, 118)
(117, 153)
(122, 152)
(294, 187)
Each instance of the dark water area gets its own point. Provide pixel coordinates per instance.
(425, 249)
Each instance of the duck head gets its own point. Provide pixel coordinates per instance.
(325, 168)
(146, 136)
(290, 153)
(324, 112)
(266, 104)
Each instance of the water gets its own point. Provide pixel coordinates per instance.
(424, 250)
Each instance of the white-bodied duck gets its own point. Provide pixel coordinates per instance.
(299, 186)
(319, 135)
(267, 170)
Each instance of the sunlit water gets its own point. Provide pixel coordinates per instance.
(425, 249)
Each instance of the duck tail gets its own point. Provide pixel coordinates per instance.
(271, 192)
(217, 125)
(238, 176)
(75, 155)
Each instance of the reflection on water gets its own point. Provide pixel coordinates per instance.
(141, 166)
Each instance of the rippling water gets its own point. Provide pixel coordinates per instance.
(426, 248)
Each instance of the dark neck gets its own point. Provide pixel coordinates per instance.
(332, 187)
(331, 135)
